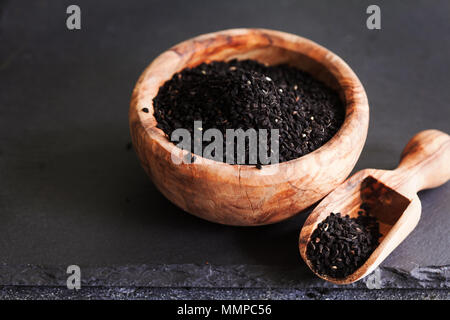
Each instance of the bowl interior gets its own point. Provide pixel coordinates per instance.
(268, 47)
(264, 46)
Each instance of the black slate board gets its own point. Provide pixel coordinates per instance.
(72, 193)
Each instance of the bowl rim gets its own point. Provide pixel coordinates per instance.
(150, 81)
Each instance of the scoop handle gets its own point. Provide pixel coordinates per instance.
(426, 159)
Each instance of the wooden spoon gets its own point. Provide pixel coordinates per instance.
(391, 194)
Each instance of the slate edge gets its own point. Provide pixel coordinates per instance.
(215, 276)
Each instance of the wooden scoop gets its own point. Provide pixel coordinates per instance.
(391, 195)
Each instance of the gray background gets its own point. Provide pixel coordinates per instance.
(71, 192)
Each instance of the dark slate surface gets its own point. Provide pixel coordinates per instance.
(71, 192)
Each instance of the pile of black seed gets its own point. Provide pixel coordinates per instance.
(246, 94)
(340, 245)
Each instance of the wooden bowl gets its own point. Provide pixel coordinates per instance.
(240, 194)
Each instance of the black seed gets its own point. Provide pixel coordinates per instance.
(145, 110)
(348, 243)
(237, 94)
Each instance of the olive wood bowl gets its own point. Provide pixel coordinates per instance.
(242, 194)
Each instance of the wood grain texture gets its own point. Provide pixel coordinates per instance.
(391, 194)
(239, 194)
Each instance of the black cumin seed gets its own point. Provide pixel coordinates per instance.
(239, 95)
(350, 240)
